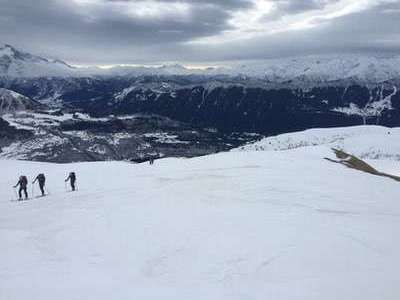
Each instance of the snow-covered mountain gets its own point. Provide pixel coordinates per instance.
(267, 97)
(16, 63)
(164, 70)
(11, 102)
(305, 69)
(227, 104)
(320, 68)
(239, 225)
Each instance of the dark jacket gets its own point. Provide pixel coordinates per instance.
(41, 178)
(22, 182)
(71, 177)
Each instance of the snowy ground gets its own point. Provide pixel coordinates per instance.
(366, 142)
(238, 225)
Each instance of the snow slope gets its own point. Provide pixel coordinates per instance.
(237, 225)
(366, 142)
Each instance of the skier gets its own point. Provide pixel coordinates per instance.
(41, 180)
(22, 183)
(153, 157)
(72, 179)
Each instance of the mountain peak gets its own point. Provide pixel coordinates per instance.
(16, 63)
(5, 46)
(6, 49)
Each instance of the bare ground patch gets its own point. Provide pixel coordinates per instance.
(354, 162)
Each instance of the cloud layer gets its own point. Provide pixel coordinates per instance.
(153, 31)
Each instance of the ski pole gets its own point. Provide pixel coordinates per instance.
(33, 190)
(15, 193)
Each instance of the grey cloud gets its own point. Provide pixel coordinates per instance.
(47, 25)
(102, 36)
(297, 6)
(284, 8)
(227, 4)
(373, 31)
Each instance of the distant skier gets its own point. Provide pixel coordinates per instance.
(41, 180)
(72, 180)
(153, 157)
(22, 183)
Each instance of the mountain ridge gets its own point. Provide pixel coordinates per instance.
(12, 102)
(17, 63)
(314, 68)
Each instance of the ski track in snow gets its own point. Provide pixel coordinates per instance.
(237, 225)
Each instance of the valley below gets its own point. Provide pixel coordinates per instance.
(50, 111)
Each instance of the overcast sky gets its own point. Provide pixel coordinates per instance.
(105, 32)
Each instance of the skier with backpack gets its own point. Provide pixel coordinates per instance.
(22, 183)
(72, 179)
(41, 180)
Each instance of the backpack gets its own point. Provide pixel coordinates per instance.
(41, 177)
(24, 181)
